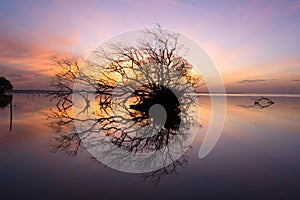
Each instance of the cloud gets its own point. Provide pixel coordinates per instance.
(296, 80)
(25, 79)
(252, 81)
(22, 53)
(267, 47)
(28, 64)
(255, 80)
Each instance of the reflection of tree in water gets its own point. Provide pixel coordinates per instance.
(5, 100)
(152, 72)
(157, 175)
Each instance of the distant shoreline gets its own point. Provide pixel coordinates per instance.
(33, 91)
(198, 94)
(250, 95)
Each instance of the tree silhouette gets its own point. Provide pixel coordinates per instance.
(125, 82)
(5, 85)
(6, 99)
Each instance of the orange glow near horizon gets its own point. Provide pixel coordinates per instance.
(249, 41)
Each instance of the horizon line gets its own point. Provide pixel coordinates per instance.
(197, 93)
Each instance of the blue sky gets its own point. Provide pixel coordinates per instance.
(254, 44)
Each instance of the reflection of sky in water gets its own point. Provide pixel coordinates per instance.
(257, 156)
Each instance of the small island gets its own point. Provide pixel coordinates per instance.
(5, 86)
(6, 96)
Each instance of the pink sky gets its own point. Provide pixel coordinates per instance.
(254, 44)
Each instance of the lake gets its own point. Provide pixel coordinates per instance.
(256, 157)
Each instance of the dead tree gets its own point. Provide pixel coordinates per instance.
(152, 72)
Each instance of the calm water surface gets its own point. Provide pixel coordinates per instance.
(256, 157)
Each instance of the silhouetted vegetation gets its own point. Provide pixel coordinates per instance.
(263, 102)
(259, 102)
(5, 85)
(6, 98)
(151, 72)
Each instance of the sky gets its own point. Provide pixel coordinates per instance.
(254, 44)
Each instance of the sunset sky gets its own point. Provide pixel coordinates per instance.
(254, 44)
